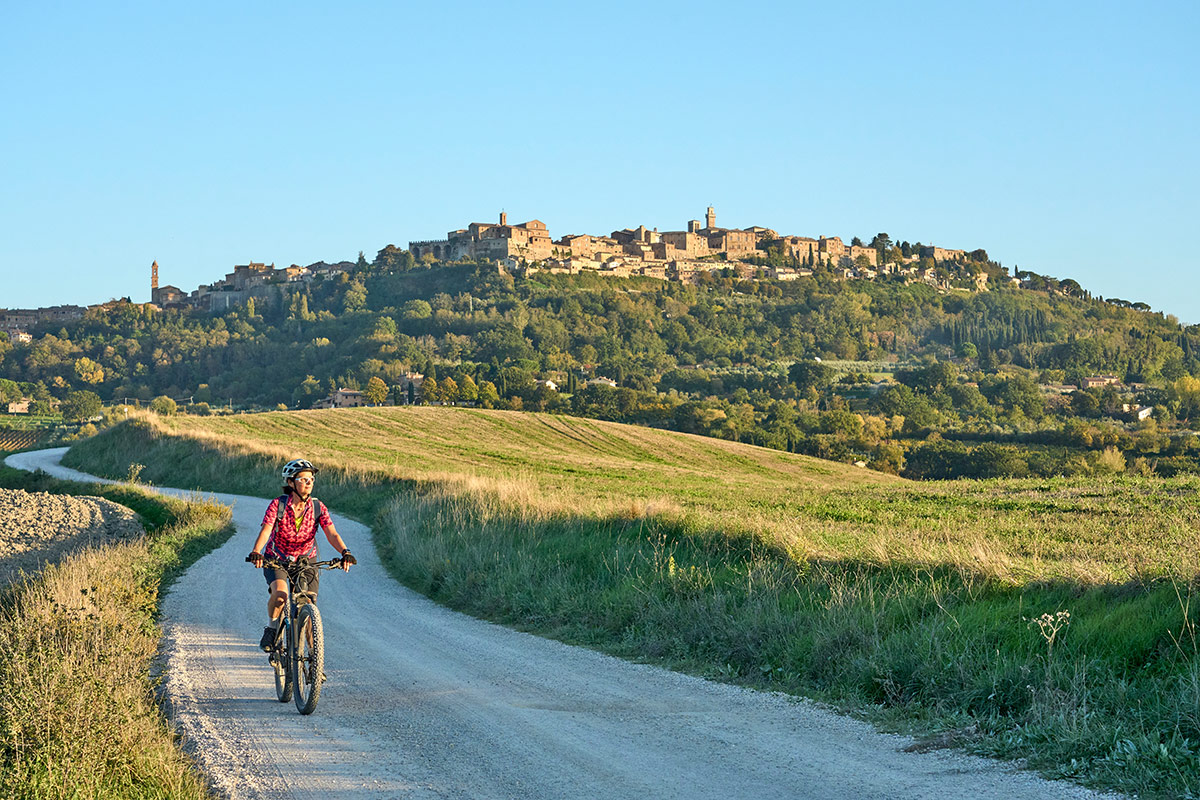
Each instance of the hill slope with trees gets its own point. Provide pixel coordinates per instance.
(904, 377)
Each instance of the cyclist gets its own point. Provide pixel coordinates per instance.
(289, 532)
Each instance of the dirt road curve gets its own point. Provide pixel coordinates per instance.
(422, 703)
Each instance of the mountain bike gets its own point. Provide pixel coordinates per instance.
(298, 655)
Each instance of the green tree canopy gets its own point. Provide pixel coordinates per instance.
(163, 406)
(376, 391)
(80, 406)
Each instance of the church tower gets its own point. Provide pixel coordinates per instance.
(153, 277)
(710, 219)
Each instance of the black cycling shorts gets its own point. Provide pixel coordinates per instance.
(312, 579)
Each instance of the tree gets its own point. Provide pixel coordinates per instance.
(163, 406)
(355, 298)
(1184, 394)
(9, 390)
(468, 392)
(308, 392)
(376, 391)
(89, 371)
(900, 400)
(81, 406)
(392, 258)
(844, 423)
(417, 309)
(448, 390)
(430, 391)
(810, 375)
(488, 396)
(931, 379)
(1085, 404)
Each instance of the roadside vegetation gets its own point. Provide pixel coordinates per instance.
(1049, 620)
(78, 715)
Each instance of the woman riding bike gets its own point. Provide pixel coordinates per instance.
(289, 532)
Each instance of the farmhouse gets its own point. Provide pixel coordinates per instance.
(1097, 381)
(342, 398)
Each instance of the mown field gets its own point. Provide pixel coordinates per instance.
(1048, 620)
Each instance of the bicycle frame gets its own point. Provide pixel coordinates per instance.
(299, 665)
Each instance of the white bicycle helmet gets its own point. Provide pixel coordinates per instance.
(296, 466)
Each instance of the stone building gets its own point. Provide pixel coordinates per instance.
(484, 241)
(687, 244)
(342, 398)
(586, 246)
(942, 253)
(870, 253)
(800, 247)
(831, 249)
(163, 296)
(247, 276)
(732, 242)
(697, 242)
(13, 320)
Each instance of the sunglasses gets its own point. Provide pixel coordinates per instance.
(303, 480)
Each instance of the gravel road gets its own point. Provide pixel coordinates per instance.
(422, 702)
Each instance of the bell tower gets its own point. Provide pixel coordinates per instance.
(153, 277)
(710, 219)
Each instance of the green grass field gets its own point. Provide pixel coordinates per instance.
(1051, 620)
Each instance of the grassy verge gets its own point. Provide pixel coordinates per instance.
(77, 714)
(1052, 621)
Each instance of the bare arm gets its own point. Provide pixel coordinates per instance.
(261, 542)
(263, 536)
(335, 539)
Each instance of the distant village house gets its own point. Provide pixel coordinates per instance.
(342, 398)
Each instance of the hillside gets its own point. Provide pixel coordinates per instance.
(844, 370)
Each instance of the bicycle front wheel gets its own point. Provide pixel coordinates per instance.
(281, 662)
(308, 662)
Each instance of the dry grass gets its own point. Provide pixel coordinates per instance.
(78, 718)
(537, 466)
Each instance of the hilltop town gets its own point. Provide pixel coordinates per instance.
(701, 250)
(687, 255)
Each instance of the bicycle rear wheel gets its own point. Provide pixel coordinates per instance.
(308, 662)
(280, 661)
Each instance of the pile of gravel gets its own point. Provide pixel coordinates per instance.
(36, 528)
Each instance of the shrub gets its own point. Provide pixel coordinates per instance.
(163, 406)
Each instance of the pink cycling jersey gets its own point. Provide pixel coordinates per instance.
(289, 540)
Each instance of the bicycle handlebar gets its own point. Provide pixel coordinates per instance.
(273, 563)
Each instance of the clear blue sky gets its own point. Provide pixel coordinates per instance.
(1061, 137)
